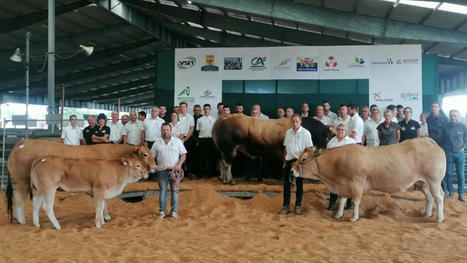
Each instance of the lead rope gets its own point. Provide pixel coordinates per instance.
(177, 177)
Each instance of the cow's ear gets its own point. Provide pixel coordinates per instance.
(124, 161)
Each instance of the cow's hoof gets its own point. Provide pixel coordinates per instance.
(337, 217)
(353, 219)
(232, 182)
(224, 181)
(107, 218)
(58, 227)
(440, 220)
(37, 225)
(427, 216)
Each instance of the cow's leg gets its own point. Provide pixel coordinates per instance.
(20, 194)
(437, 192)
(228, 173)
(99, 204)
(36, 206)
(107, 216)
(356, 200)
(340, 211)
(48, 205)
(429, 200)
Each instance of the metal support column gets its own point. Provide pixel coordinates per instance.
(28, 36)
(51, 60)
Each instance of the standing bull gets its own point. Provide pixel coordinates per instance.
(253, 136)
(99, 178)
(25, 152)
(352, 170)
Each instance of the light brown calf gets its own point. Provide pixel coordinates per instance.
(99, 178)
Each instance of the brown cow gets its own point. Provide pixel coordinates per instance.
(353, 170)
(26, 151)
(102, 179)
(257, 137)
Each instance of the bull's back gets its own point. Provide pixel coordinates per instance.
(26, 151)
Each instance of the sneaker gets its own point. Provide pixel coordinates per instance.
(161, 214)
(461, 198)
(285, 210)
(298, 210)
(173, 214)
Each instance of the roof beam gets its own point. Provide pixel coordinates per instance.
(18, 22)
(98, 55)
(244, 26)
(94, 72)
(125, 93)
(73, 90)
(141, 21)
(341, 20)
(450, 61)
(457, 2)
(137, 101)
(86, 94)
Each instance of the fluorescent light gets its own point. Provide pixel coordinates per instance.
(424, 4)
(460, 9)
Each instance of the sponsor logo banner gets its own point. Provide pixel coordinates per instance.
(210, 64)
(232, 63)
(331, 64)
(186, 62)
(379, 97)
(184, 95)
(305, 64)
(358, 62)
(410, 96)
(258, 63)
(387, 61)
(207, 94)
(285, 64)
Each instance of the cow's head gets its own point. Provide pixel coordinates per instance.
(145, 154)
(139, 168)
(305, 166)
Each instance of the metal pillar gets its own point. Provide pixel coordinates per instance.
(51, 60)
(28, 36)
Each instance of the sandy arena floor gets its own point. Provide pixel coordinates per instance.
(215, 228)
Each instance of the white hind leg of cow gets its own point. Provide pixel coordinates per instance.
(36, 206)
(437, 192)
(48, 205)
(99, 206)
(107, 216)
(340, 211)
(18, 212)
(356, 201)
(429, 200)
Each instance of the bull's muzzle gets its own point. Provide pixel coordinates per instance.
(296, 170)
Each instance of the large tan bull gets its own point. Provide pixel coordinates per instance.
(102, 179)
(258, 137)
(26, 151)
(353, 170)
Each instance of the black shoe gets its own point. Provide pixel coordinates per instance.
(298, 210)
(332, 206)
(285, 210)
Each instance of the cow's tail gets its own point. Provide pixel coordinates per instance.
(9, 198)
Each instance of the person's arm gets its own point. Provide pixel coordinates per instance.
(418, 132)
(142, 136)
(363, 140)
(119, 140)
(178, 166)
(124, 139)
(284, 153)
(190, 132)
(398, 133)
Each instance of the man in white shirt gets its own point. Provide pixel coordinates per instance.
(207, 149)
(152, 127)
(256, 112)
(187, 127)
(133, 132)
(327, 111)
(340, 139)
(355, 124)
(170, 154)
(343, 118)
(326, 120)
(72, 135)
(296, 140)
(116, 129)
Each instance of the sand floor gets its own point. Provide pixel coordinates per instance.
(216, 228)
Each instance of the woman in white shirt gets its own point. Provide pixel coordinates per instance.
(370, 134)
(175, 124)
(340, 139)
(423, 125)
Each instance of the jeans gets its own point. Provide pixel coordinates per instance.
(456, 160)
(298, 182)
(164, 179)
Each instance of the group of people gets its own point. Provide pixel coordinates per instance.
(183, 141)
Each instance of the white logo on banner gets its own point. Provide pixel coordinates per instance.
(186, 62)
(284, 64)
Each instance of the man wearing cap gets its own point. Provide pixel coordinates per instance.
(102, 133)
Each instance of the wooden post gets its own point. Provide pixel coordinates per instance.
(63, 106)
(118, 106)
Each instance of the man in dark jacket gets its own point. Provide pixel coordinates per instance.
(436, 124)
